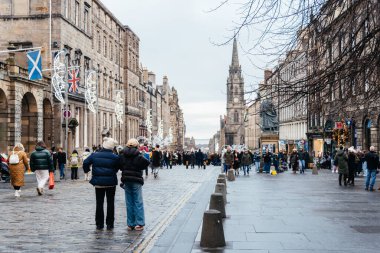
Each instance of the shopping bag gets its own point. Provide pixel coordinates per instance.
(51, 181)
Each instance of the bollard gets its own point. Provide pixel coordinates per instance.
(221, 188)
(222, 181)
(212, 230)
(231, 175)
(315, 170)
(222, 176)
(217, 203)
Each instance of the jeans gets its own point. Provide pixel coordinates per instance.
(74, 173)
(370, 179)
(109, 192)
(61, 170)
(257, 164)
(135, 205)
(267, 167)
(245, 169)
(302, 166)
(226, 168)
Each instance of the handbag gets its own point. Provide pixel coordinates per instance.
(51, 181)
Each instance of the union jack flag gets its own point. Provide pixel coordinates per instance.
(74, 80)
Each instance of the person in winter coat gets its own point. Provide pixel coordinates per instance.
(294, 161)
(351, 166)
(133, 164)
(199, 158)
(105, 165)
(61, 157)
(55, 158)
(246, 161)
(341, 160)
(236, 163)
(192, 159)
(156, 160)
(17, 170)
(257, 159)
(41, 163)
(267, 162)
(86, 153)
(228, 159)
(74, 163)
(372, 160)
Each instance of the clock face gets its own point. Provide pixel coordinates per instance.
(236, 100)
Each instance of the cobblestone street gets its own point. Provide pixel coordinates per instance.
(63, 220)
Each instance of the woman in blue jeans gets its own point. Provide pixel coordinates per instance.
(133, 164)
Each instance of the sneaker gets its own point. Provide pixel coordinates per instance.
(109, 227)
(372, 190)
(17, 193)
(366, 189)
(39, 191)
(99, 227)
(139, 228)
(130, 228)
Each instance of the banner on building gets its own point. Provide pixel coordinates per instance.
(34, 65)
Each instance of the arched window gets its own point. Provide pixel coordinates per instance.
(236, 117)
(367, 133)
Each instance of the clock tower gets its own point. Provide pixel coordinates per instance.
(234, 127)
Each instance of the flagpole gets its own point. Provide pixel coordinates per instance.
(67, 107)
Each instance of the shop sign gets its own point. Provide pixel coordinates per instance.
(338, 125)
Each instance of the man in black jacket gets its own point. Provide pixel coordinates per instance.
(156, 160)
(372, 165)
(61, 157)
(41, 163)
(133, 164)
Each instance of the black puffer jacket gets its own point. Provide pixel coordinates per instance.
(41, 159)
(133, 163)
(372, 160)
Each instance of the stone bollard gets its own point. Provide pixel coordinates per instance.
(212, 230)
(231, 175)
(217, 203)
(315, 170)
(221, 188)
(222, 176)
(222, 181)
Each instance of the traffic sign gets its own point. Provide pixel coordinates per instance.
(67, 114)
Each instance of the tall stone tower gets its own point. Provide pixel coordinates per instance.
(234, 127)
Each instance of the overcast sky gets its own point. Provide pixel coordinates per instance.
(177, 39)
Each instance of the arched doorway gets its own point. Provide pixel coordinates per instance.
(29, 124)
(48, 123)
(367, 134)
(3, 121)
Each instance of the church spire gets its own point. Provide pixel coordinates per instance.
(235, 56)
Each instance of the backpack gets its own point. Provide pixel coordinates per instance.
(14, 159)
(74, 160)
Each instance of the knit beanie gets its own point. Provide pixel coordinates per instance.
(109, 143)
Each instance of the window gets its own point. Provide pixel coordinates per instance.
(86, 23)
(99, 41)
(76, 15)
(104, 120)
(111, 51)
(66, 8)
(236, 117)
(105, 46)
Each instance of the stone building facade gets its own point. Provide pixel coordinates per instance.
(251, 125)
(94, 39)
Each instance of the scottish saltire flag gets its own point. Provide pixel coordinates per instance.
(74, 80)
(34, 65)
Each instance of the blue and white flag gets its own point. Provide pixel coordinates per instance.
(34, 65)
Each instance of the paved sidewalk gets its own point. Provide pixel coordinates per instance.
(299, 213)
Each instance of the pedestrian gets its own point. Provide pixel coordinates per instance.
(55, 158)
(199, 158)
(342, 163)
(236, 163)
(74, 163)
(294, 161)
(267, 162)
(41, 163)
(192, 159)
(301, 159)
(156, 160)
(351, 166)
(228, 159)
(18, 162)
(61, 157)
(257, 159)
(105, 165)
(372, 160)
(133, 164)
(246, 162)
(86, 153)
